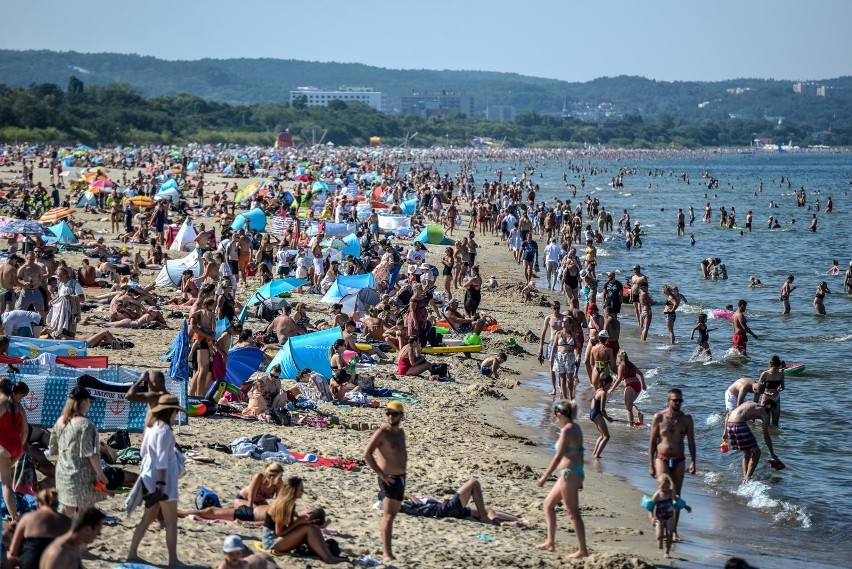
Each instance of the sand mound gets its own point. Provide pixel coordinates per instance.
(482, 390)
(611, 561)
(509, 469)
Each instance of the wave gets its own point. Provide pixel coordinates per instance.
(714, 419)
(758, 497)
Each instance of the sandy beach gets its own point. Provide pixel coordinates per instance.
(456, 431)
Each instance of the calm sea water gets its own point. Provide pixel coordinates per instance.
(802, 512)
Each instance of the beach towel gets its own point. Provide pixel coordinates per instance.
(341, 463)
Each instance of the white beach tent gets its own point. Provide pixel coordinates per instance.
(168, 194)
(172, 272)
(185, 235)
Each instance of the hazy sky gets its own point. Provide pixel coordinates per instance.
(562, 39)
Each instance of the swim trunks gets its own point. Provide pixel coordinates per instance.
(244, 513)
(730, 401)
(739, 341)
(671, 462)
(452, 508)
(114, 476)
(486, 370)
(740, 436)
(394, 491)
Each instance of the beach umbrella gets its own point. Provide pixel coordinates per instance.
(83, 148)
(102, 184)
(304, 163)
(57, 213)
(303, 178)
(23, 227)
(319, 186)
(98, 170)
(242, 363)
(142, 201)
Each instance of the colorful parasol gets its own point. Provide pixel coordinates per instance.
(56, 214)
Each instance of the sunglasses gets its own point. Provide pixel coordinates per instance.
(393, 413)
(676, 400)
(274, 376)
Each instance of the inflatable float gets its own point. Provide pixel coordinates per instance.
(452, 350)
(794, 369)
(722, 313)
(446, 325)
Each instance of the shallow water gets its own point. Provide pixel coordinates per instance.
(801, 512)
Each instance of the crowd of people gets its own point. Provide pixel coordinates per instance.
(45, 296)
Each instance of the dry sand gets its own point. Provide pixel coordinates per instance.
(456, 431)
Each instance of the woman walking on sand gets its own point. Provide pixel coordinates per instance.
(568, 458)
(158, 478)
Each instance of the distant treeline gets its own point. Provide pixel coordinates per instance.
(119, 114)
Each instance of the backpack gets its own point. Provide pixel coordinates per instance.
(119, 440)
(440, 370)
(280, 416)
(206, 498)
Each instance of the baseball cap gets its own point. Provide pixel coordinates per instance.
(394, 406)
(603, 334)
(232, 543)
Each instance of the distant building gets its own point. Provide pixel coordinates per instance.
(803, 88)
(445, 102)
(739, 90)
(500, 113)
(314, 97)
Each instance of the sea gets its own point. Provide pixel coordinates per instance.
(799, 515)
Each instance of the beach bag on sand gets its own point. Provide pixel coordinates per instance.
(206, 498)
(119, 440)
(440, 370)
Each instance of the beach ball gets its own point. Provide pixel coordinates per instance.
(512, 341)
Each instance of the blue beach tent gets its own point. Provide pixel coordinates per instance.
(306, 351)
(62, 234)
(347, 284)
(254, 219)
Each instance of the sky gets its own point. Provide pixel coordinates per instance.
(671, 40)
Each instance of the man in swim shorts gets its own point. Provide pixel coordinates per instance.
(740, 325)
(316, 252)
(387, 456)
(739, 435)
(457, 506)
(9, 281)
(736, 393)
(665, 451)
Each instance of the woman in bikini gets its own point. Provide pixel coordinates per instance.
(770, 384)
(567, 462)
(284, 530)
(599, 416)
(264, 486)
(670, 310)
(634, 383)
(821, 291)
(645, 312)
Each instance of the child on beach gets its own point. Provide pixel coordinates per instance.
(703, 340)
(490, 365)
(665, 500)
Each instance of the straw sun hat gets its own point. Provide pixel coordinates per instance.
(168, 401)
